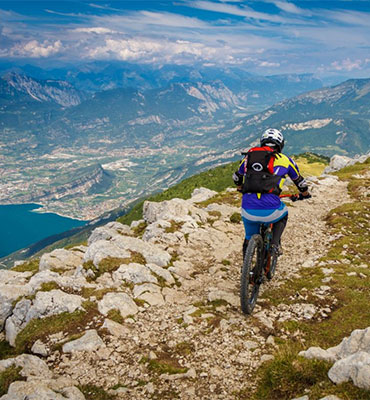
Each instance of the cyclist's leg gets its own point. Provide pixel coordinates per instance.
(250, 228)
(278, 230)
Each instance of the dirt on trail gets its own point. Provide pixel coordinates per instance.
(198, 344)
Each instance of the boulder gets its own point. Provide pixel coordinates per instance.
(60, 389)
(44, 305)
(119, 301)
(146, 287)
(90, 341)
(101, 249)
(32, 366)
(134, 273)
(61, 259)
(153, 254)
(166, 210)
(153, 299)
(161, 272)
(338, 162)
(355, 367)
(115, 329)
(201, 194)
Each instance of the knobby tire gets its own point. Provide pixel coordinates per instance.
(272, 269)
(252, 261)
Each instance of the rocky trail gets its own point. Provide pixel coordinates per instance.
(164, 320)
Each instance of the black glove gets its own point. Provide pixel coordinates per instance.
(300, 197)
(237, 178)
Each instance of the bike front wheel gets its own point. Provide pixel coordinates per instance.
(251, 277)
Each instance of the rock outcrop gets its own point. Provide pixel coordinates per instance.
(351, 358)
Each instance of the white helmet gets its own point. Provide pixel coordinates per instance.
(273, 137)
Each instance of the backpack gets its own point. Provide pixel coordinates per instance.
(259, 171)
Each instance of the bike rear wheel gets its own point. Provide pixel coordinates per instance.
(273, 262)
(251, 277)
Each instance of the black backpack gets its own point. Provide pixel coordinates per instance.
(259, 173)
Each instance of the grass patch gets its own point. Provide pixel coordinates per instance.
(9, 376)
(115, 316)
(165, 364)
(140, 229)
(175, 226)
(288, 375)
(92, 392)
(28, 266)
(111, 264)
(236, 218)
(226, 262)
(72, 323)
(48, 286)
(6, 351)
(184, 348)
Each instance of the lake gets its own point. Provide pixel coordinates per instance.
(21, 227)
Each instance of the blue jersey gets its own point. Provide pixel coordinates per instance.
(283, 166)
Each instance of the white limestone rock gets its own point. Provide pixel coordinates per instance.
(134, 273)
(229, 297)
(146, 287)
(44, 305)
(338, 162)
(90, 341)
(101, 249)
(165, 210)
(32, 366)
(106, 232)
(201, 194)
(40, 348)
(9, 277)
(154, 299)
(61, 259)
(161, 272)
(153, 254)
(115, 329)
(355, 367)
(319, 354)
(182, 269)
(43, 390)
(119, 301)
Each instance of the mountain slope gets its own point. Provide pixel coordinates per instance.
(335, 119)
(174, 329)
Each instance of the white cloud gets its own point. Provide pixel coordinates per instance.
(346, 65)
(97, 30)
(234, 10)
(35, 49)
(290, 8)
(268, 64)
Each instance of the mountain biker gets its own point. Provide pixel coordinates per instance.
(260, 178)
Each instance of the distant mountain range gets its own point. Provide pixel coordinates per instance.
(327, 121)
(44, 114)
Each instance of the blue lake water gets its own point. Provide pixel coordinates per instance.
(21, 227)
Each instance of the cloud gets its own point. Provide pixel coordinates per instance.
(268, 64)
(346, 65)
(97, 30)
(145, 49)
(35, 49)
(290, 8)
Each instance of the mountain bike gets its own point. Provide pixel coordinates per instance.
(258, 265)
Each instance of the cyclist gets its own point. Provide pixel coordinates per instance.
(260, 178)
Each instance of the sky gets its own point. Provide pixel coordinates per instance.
(265, 37)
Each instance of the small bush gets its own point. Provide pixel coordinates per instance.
(32, 265)
(9, 376)
(92, 392)
(236, 218)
